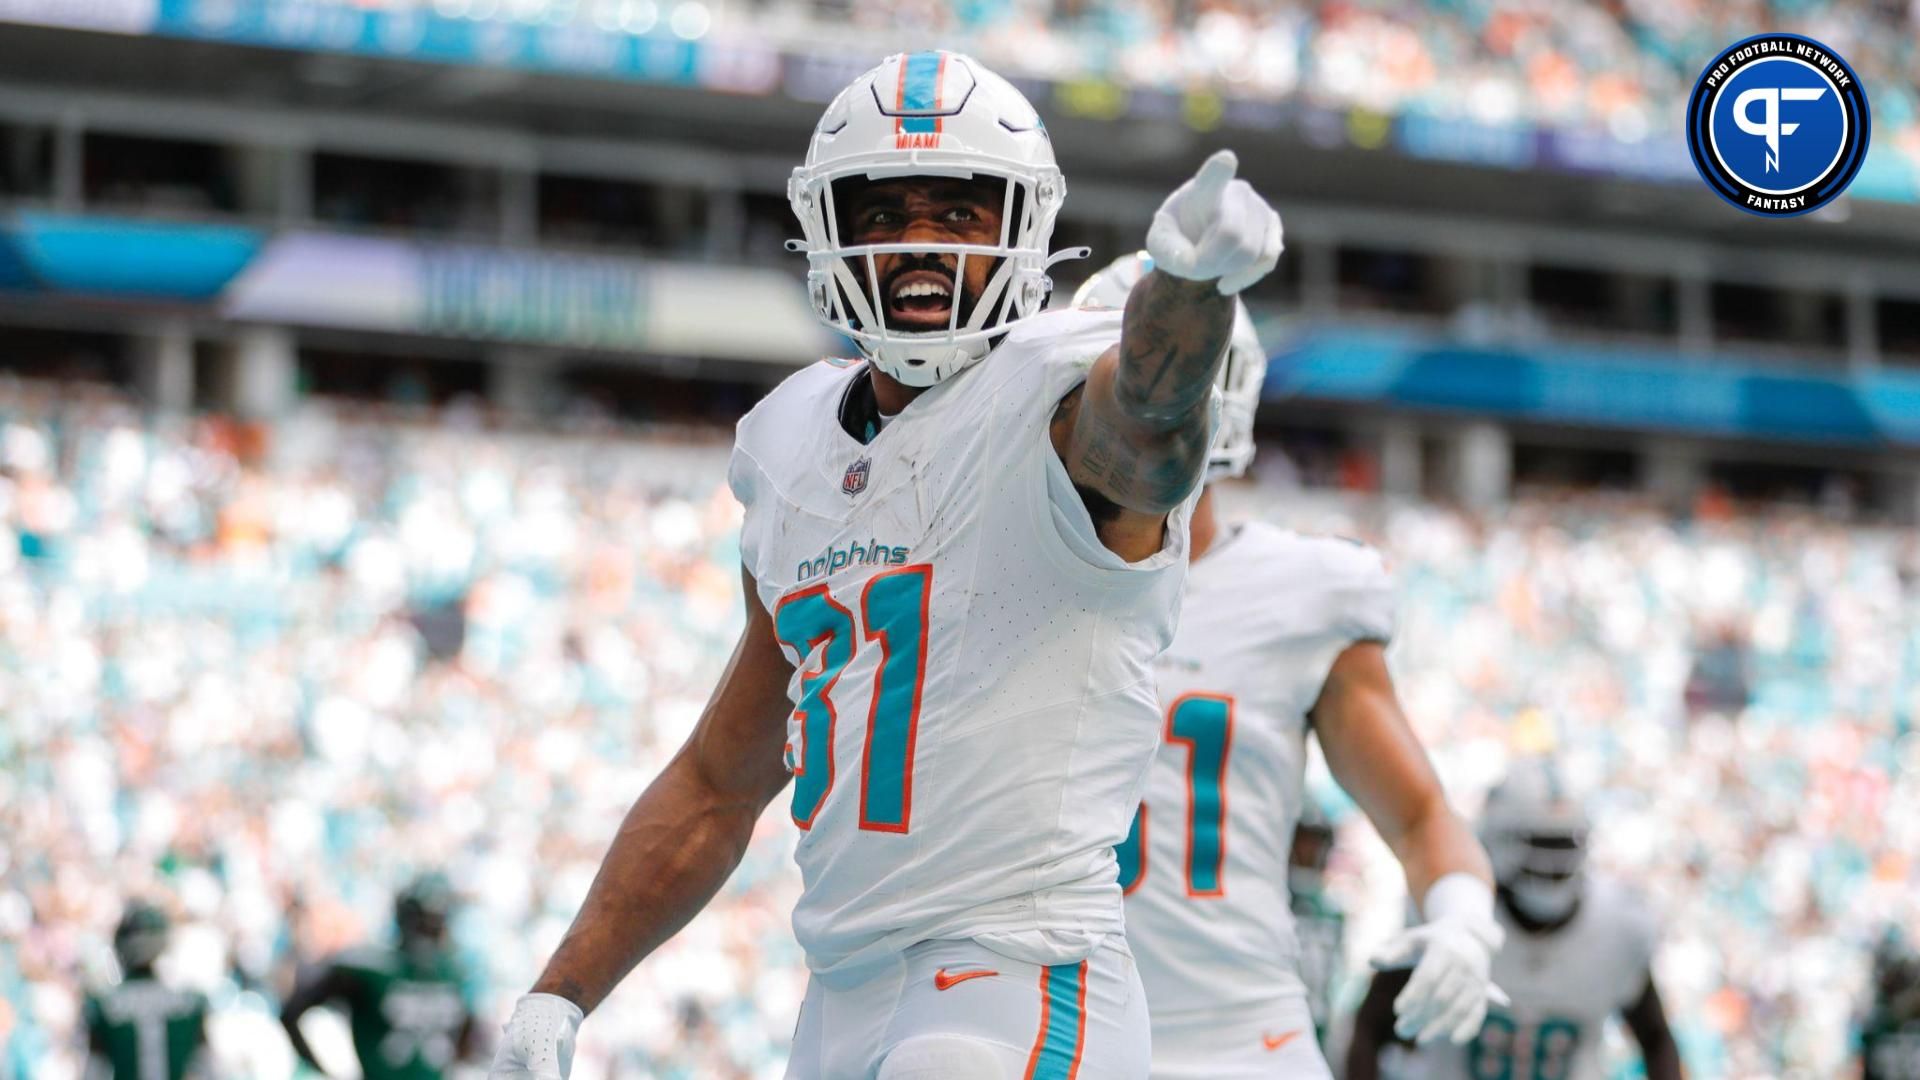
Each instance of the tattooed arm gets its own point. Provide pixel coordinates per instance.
(1134, 435)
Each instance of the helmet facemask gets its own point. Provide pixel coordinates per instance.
(971, 271)
(1536, 833)
(1542, 868)
(847, 282)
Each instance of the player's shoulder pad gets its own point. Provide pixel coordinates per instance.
(1344, 557)
(1055, 322)
(1350, 579)
(1078, 334)
(772, 426)
(1627, 914)
(1041, 358)
(797, 391)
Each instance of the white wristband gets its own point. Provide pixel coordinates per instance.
(563, 1006)
(1458, 894)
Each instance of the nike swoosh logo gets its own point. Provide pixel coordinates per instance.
(1275, 1042)
(944, 981)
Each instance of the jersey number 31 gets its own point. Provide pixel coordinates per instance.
(893, 612)
(1204, 723)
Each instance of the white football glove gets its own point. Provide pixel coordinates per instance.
(537, 1041)
(1216, 227)
(1453, 981)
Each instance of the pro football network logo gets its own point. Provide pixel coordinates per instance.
(1778, 125)
(855, 481)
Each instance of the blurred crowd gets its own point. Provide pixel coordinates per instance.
(1624, 67)
(263, 674)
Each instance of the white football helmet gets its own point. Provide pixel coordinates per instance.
(1535, 831)
(929, 114)
(1240, 379)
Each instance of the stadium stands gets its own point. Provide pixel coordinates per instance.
(264, 672)
(1622, 68)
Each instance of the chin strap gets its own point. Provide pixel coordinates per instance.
(1045, 280)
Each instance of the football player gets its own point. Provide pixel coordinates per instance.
(962, 553)
(407, 1006)
(1890, 1032)
(1280, 633)
(141, 1029)
(1579, 950)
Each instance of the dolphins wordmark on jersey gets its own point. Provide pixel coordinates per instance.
(973, 707)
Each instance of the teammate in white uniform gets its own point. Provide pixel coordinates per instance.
(1579, 951)
(1280, 633)
(961, 557)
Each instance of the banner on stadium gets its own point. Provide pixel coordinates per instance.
(309, 278)
(1632, 389)
(376, 283)
(113, 16)
(127, 258)
(418, 32)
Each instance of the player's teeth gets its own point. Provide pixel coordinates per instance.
(919, 288)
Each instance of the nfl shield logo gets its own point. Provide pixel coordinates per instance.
(855, 481)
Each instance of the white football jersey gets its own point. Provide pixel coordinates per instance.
(974, 709)
(1564, 986)
(1266, 614)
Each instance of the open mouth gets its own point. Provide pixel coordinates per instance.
(920, 300)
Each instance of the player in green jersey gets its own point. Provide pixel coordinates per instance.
(407, 1006)
(141, 1029)
(1318, 922)
(1890, 1032)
